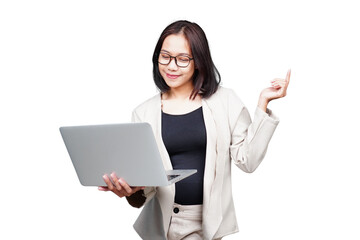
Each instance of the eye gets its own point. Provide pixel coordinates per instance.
(164, 56)
(183, 59)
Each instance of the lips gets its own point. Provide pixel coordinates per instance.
(172, 76)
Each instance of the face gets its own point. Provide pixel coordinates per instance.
(177, 77)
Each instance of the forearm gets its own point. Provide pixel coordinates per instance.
(249, 144)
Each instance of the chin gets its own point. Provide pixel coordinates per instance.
(172, 85)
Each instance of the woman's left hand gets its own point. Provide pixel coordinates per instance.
(277, 90)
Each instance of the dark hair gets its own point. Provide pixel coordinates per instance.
(206, 78)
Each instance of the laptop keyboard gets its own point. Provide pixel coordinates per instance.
(170, 177)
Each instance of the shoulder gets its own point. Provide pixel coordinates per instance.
(148, 105)
(226, 96)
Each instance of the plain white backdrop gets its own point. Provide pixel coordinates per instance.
(89, 62)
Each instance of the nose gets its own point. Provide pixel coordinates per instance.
(172, 65)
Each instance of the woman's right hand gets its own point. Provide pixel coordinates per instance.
(120, 186)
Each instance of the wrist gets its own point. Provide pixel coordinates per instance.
(263, 103)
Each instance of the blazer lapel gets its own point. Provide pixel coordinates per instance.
(156, 124)
(214, 170)
(210, 163)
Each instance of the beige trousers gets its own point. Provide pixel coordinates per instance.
(186, 223)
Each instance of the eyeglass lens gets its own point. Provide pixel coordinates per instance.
(181, 61)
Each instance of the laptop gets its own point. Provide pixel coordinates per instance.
(128, 149)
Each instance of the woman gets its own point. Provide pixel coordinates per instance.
(197, 124)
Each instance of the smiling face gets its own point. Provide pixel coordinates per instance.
(177, 78)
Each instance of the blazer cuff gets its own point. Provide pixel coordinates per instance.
(263, 121)
(268, 116)
(149, 193)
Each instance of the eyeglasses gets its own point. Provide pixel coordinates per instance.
(181, 60)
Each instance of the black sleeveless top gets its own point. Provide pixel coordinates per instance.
(184, 137)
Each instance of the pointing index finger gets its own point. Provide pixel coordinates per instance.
(288, 75)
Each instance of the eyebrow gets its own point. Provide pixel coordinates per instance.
(181, 54)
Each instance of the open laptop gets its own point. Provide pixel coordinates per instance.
(128, 149)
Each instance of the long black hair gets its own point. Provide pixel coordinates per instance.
(206, 78)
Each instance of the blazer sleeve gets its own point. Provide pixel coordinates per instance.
(141, 197)
(249, 139)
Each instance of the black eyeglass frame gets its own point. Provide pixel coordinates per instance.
(171, 57)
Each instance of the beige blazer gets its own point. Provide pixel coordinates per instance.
(231, 135)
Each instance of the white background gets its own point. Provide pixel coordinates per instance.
(89, 62)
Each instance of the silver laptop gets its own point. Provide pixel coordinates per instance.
(128, 149)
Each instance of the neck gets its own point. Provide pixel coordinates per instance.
(183, 93)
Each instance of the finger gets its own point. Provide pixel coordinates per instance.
(276, 86)
(281, 84)
(119, 194)
(108, 182)
(276, 79)
(278, 83)
(288, 74)
(282, 90)
(103, 189)
(115, 180)
(287, 79)
(125, 185)
(275, 83)
(136, 189)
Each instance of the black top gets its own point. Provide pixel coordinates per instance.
(184, 137)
